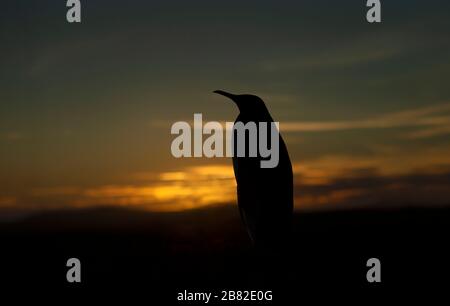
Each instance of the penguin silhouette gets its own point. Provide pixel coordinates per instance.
(265, 195)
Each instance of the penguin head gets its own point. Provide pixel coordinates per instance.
(247, 104)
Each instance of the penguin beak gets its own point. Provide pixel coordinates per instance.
(226, 94)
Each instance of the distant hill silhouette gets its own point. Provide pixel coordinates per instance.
(124, 251)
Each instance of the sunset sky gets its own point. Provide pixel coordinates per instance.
(86, 109)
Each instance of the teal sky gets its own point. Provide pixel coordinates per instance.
(84, 106)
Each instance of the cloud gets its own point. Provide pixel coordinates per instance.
(375, 191)
(190, 188)
(430, 119)
(329, 60)
(387, 176)
(382, 162)
(430, 132)
(352, 52)
(392, 177)
(55, 191)
(7, 202)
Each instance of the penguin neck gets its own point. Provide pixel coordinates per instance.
(259, 117)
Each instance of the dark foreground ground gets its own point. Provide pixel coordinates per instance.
(147, 258)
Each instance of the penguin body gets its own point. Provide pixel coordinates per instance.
(265, 195)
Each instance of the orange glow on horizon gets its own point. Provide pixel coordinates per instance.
(210, 185)
(195, 187)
